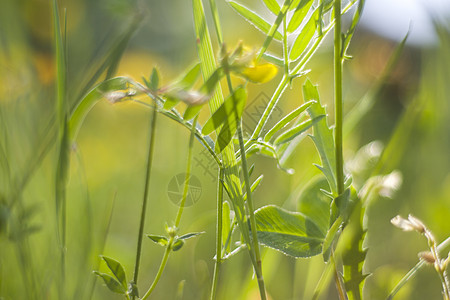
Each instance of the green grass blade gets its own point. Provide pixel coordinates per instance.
(254, 19)
(109, 61)
(366, 103)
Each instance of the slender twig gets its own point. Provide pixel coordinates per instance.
(145, 198)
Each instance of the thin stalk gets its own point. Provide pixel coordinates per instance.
(160, 270)
(258, 267)
(218, 234)
(63, 142)
(255, 254)
(414, 270)
(188, 173)
(146, 194)
(178, 217)
(254, 248)
(338, 102)
(285, 48)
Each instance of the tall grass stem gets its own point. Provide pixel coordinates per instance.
(146, 192)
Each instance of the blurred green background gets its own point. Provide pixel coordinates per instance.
(108, 161)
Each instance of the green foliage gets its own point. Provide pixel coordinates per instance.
(322, 135)
(291, 233)
(254, 19)
(226, 117)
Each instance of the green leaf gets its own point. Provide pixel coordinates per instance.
(188, 80)
(300, 13)
(304, 37)
(170, 102)
(154, 80)
(177, 245)
(159, 239)
(322, 135)
(296, 131)
(117, 269)
(273, 59)
(112, 284)
(254, 19)
(315, 204)
(228, 114)
(210, 84)
(273, 6)
(191, 112)
(254, 185)
(190, 235)
(286, 120)
(291, 233)
(348, 36)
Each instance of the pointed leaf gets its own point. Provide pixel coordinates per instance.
(291, 233)
(188, 80)
(159, 239)
(154, 80)
(117, 269)
(331, 238)
(190, 235)
(300, 13)
(286, 120)
(304, 37)
(296, 131)
(254, 19)
(273, 6)
(112, 284)
(273, 59)
(322, 135)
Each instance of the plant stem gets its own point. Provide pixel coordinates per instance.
(258, 267)
(218, 234)
(338, 98)
(160, 270)
(145, 198)
(180, 212)
(188, 173)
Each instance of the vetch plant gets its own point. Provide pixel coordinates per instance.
(325, 222)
